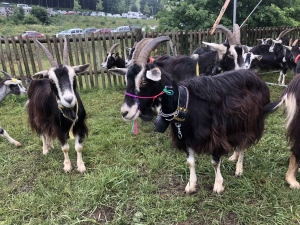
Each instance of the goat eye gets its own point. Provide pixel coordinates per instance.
(143, 82)
(51, 81)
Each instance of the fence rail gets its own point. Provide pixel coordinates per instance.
(22, 57)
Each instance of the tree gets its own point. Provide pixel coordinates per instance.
(99, 6)
(77, 6)
(40, 13)
(19, 13)
(146, 10)
(134, 8)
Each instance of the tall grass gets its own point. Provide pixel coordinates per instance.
(138, 179)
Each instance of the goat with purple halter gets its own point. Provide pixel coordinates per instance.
(206, 114)
(113, 59)
(10, 85)
(55, 108)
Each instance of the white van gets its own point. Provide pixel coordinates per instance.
(122, 29)
(75, 31)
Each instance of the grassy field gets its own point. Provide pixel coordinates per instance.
(65, 22)
(138, 179)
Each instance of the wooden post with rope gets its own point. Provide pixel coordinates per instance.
(219, 17)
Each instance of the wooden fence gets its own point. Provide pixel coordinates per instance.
(22, 57)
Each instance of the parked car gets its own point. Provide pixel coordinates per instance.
(122, 29)
(70, 13)
(143, 17)
(109, 15)
(89, 30)
(93, 14)
(86, 13)
(124, 15)
(100, 13)
(102, 31)
(112, 30)
(133, 27)
(117, 16)
(62, 33)
(31, 34)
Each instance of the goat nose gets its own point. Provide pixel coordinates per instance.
(69, 100)
(124, 113)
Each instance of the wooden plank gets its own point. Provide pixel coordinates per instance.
(103, 82)
(82, 50)
(18, 60)
(24, 57)
(94, 49)
(76, 49)
(2, 58)
(9, 57)
(70, 51)
(48, 40)
(114, 41)
(106, 50)
(56, 49)
(88, 54)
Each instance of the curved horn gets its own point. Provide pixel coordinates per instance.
(65, 53)
(290, 42)
(237, 33)
(134, 45)
(6, 74)
(284, 33)
(295, 42)
(138, 48)
(48, 54)
(144, 54)
(113, 47)
(229, 35)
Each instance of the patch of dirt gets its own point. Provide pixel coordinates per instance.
(231, 219)
(101, 215)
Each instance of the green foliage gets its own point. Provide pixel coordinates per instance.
(40, 13)
(99, 5)
(19, 13)
(30, 19)
(134, 8)
(77, 6)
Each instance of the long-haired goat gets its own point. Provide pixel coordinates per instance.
(208, 114)
(10, 85)
(55, 108)
(291, 98)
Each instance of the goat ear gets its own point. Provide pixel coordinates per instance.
(81, 68)
(40, 75)
(154, 74)
(128, 49)
(118, 71)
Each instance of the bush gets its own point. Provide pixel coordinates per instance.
(102, 23)
(40, 13)
(30, 19)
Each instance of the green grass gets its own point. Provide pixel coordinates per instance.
(65, 22)
(138, 179)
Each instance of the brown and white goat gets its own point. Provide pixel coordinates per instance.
(291, 98)
(55, 108)
(208, 114)
(10, 85)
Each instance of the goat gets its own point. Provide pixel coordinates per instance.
(291, 57)
(210, 63)
(55, 108)
(279, 52)
(208, 114)
(10, 85)
(264, 41)
(113, 59)
(291, 98)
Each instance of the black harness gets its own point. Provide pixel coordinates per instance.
(163, 120)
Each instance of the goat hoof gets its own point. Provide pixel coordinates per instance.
(18, 144)
(239, 173)
(294, 185)
(298, 169)
(189, 189)
(81, 168)
(67, 167)
(218, 189)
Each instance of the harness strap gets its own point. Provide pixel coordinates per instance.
(197, 70)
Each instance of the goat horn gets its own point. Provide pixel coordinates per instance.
(65, 53)
(138, 48)
(284, 32)
(113, 47)
(290, 42)
(145, 53)
(295, 42)
(48, 54)
(134, 45)
(237, 33)
(229, 35)
(6, 74)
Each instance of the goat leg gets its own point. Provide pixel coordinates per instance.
(218, 185)
(191, 185)
(78, 147)
(290, 176)
(67, 163)
(4, 134)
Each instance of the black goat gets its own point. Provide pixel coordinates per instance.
(292, 57)
(291, 98)
(55, 109)
(208, 114)
(113, 59)
(10, 85)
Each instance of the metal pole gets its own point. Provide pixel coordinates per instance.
(250, 13)
(234, 15)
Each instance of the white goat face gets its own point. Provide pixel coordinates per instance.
(15, 86)
(249, 57)
(62, 82)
